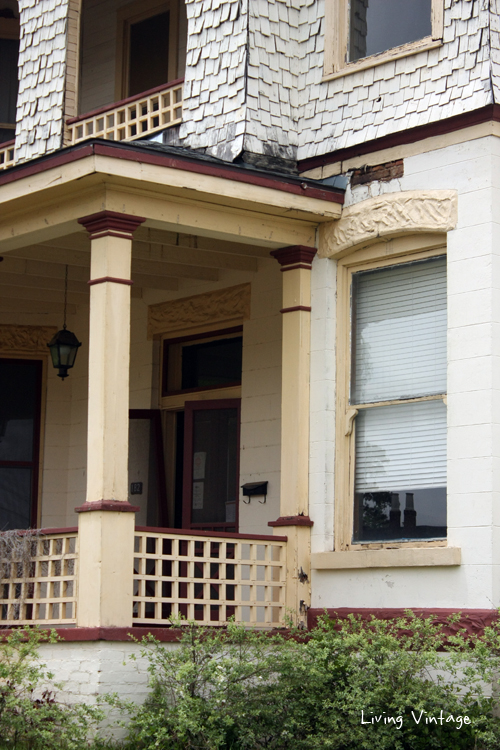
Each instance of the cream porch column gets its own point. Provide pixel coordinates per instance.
(106, 520)
(294, 518)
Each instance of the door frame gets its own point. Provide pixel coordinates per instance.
(189, 408)
(38, 425)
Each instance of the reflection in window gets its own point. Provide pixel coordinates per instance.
(379, 25)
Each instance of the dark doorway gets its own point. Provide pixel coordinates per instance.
(211, 465)
(20, 399)
(148, 53)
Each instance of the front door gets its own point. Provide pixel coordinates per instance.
(211, 457)
(20, 396)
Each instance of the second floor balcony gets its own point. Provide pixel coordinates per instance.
(124, 67)
(129, 81)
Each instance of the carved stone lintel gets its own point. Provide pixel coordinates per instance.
(221, 306)
(105, 223)
(389, 215)
(25, 339)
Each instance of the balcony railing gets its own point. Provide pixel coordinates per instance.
(38, 583)
(207, 577)
(7, 154)
(136, 117)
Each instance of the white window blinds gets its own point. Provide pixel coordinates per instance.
(399, 332)
(401, 447)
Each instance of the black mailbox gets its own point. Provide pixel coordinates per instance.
(254, 488)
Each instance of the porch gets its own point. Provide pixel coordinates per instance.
(169, 260)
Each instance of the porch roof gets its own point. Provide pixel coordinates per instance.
(170, 186)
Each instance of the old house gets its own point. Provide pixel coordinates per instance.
(271, 228)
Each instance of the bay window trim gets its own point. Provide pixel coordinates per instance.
(366, 259)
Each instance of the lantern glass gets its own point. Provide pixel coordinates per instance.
(63, 348)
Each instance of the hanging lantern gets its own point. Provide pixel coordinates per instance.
(63, 348)
(64, 345)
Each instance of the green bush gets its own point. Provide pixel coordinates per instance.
(236, 689)
(31, 718)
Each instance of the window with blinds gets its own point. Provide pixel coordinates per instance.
(398, 382)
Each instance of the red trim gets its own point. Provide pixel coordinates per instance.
(291, 521)
(222, 534)
(45, 532)
(411, 135)
(102, 280)
(294, 309)
(106, 222)
(295, 254)
(187, 163)
(472, 620)
(121, 506)
(122, 102)
(7, 144)
(136, 632)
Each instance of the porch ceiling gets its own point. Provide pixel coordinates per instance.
(42, 201)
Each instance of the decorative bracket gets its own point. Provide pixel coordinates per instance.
(349, 421)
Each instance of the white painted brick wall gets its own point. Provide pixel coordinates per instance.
(89, 670)
(473, 398)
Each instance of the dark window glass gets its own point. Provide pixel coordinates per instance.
(379, 25)
(20, 385)
(9, 51)
(215, 463)
(148, 61)
(211, 365)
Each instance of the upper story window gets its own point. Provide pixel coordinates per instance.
(363, 33)
(9, 51)
(379, 25)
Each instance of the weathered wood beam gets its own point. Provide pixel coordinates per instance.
(82, 258)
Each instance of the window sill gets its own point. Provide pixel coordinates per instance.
(383, 57)
(406, 557)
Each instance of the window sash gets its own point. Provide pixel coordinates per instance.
(401, 447)
(399, 327)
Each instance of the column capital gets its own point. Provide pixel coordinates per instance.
(111, 223)
(295, 256)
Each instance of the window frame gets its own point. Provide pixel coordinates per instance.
(337, 22)
(367, 259)
(141, 10)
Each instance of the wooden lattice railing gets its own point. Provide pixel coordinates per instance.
(209, 577)
(38, 578)
(136, 117)
(7, 154)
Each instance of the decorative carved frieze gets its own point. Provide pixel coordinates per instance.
(388, 215)
(221, 306)
(25, 339)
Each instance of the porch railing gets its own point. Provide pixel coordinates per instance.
(136, 117)
(38, 581)
(7, 154)
(203, 576)
(209, 577)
